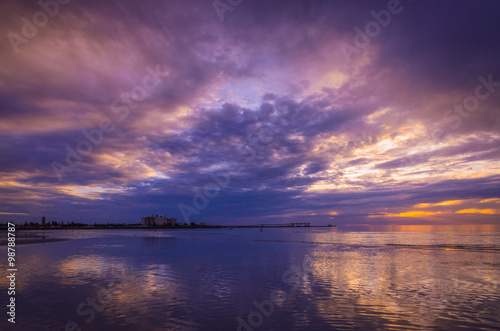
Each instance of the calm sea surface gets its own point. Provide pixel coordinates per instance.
(400, 278)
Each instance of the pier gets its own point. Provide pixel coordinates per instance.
(282, 225)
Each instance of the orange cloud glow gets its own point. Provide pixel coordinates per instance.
(413, 214)
(443, 203)
(478, 211)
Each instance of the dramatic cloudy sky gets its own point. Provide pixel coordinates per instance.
(281, 105)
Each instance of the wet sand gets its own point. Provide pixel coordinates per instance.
(24, 240)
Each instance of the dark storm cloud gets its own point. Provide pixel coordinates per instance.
(255, 139)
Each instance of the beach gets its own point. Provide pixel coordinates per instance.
(245, 279)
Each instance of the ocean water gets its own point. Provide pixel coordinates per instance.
(399, 278)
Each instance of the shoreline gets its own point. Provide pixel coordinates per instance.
(22, 228)
(28, 240)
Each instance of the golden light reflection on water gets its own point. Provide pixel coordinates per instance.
(406, 287)
(29, 272)
(79, 270)
(126, 291)
(444, 228)
(412, 277)
(471, 228)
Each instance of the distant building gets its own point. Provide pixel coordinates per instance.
(158, 220)
(148, 221)
(43, 221)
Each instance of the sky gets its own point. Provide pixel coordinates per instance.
(250, 112)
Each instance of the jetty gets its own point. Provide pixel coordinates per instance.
(281, 225)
